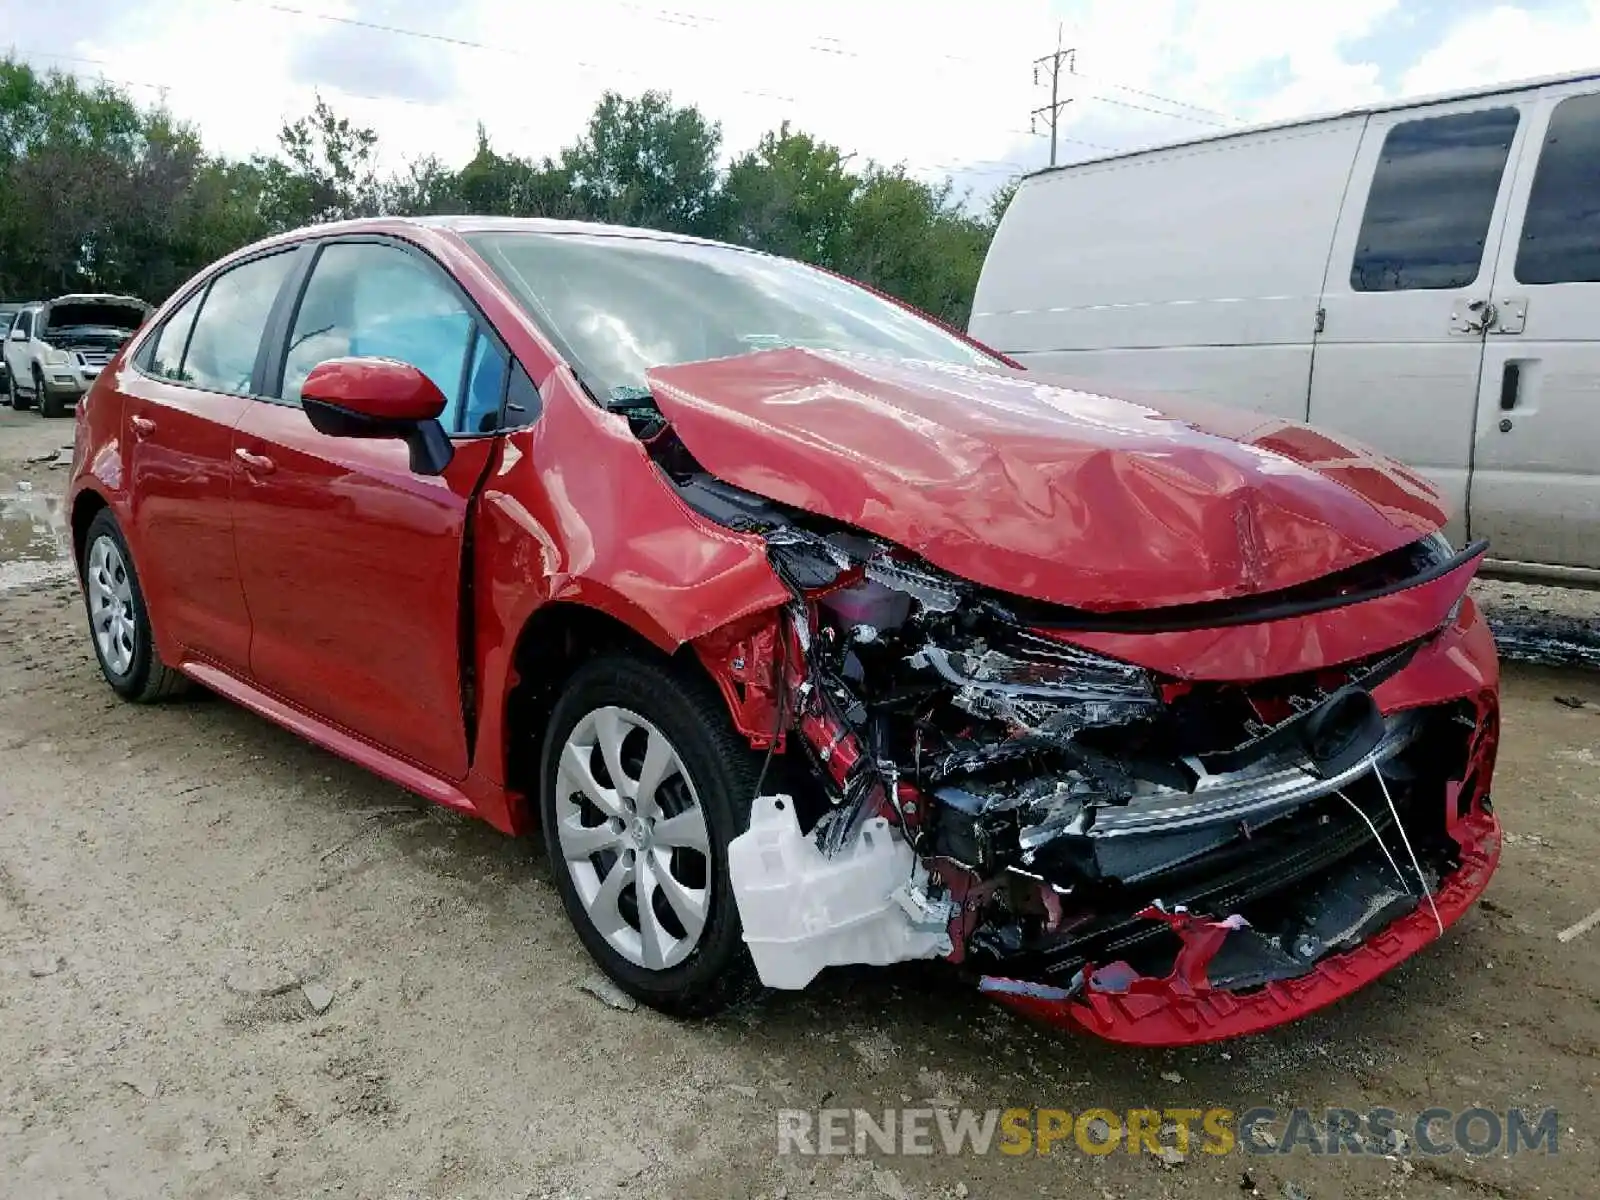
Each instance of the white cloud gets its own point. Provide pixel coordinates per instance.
(1509, 43)
(942, 85)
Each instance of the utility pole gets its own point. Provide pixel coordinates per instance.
(1052, 111)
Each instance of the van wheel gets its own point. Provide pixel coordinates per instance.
(644, 784)
(119, 622)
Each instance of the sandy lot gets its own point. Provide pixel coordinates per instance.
(178, 883)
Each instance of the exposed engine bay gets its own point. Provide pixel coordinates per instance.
(1079, 826)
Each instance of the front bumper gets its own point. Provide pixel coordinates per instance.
(1192, 988)
(65, 382)
(1184, 1009)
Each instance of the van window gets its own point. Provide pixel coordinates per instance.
(1432, 197)
(1561, 233)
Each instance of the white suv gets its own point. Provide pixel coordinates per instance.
(55, 349)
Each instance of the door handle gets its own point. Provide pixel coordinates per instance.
(1510, 386)
(256, 464)
(143, 427)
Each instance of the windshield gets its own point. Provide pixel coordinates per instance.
(618, 306)
(6, 320)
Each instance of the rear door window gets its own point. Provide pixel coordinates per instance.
(1561, 232)
(221, 355)
(1432, 198)
(164, 358)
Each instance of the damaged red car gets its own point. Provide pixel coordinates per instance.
(806, 630)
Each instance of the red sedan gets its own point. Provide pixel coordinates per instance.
(808, 631)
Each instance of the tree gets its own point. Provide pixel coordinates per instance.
(916, 241)
(645, 162)
(791, 195)
(328, 171)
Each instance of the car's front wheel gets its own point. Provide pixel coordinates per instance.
(644, 784)
(119, 621)
(49, 405)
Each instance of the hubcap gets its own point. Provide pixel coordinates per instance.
(634, 837)
(111, 605)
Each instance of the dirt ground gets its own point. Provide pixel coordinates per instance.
(179, 883)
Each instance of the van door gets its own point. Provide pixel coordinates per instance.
(1536, 469)
(1410, 279)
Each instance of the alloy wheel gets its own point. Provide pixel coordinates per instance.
(633, 837)
(111, 612)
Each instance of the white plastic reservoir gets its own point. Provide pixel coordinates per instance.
(803, 911)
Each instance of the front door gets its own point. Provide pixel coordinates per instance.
(1536, 470)
(352, 564)
(1409, 286)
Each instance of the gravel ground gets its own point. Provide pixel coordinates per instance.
(233, 965)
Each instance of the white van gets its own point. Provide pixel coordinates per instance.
(1423, 277)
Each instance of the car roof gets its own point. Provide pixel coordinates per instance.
(1480, 92)
(459, 225)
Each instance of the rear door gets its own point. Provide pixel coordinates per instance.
(352, 564)
(1410, 281)
(191, 383)
(1536, 471)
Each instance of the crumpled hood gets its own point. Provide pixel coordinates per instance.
(1027, 486)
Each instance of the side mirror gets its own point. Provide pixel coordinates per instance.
(379, 398)
(19, 335)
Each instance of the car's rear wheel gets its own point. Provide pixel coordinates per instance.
(119, 622)
(644, 784)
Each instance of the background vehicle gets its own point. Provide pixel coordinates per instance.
(1422, 276)
(55, 350)
(7, 316)
(632, 531)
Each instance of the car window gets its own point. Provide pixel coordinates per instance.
(25, 323)
(618, 306)
(1432, 197)
(486, 387)
(1561, 233)
(164, 357)
(366, 299)
(227, 333)
(523, 404)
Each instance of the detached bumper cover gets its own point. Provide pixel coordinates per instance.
(1184, 1009)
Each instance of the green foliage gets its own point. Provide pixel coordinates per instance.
(99, 193)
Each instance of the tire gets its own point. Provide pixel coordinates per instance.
(716, 770)
(49, 406)
(9, 396)
(119, 621)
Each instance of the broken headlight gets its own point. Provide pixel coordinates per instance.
(1032, 667)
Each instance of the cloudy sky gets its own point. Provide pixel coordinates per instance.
(942, 86)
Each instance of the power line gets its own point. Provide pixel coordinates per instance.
(446, 39)
(835, 47)
(838, 48)
(1133, 91)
